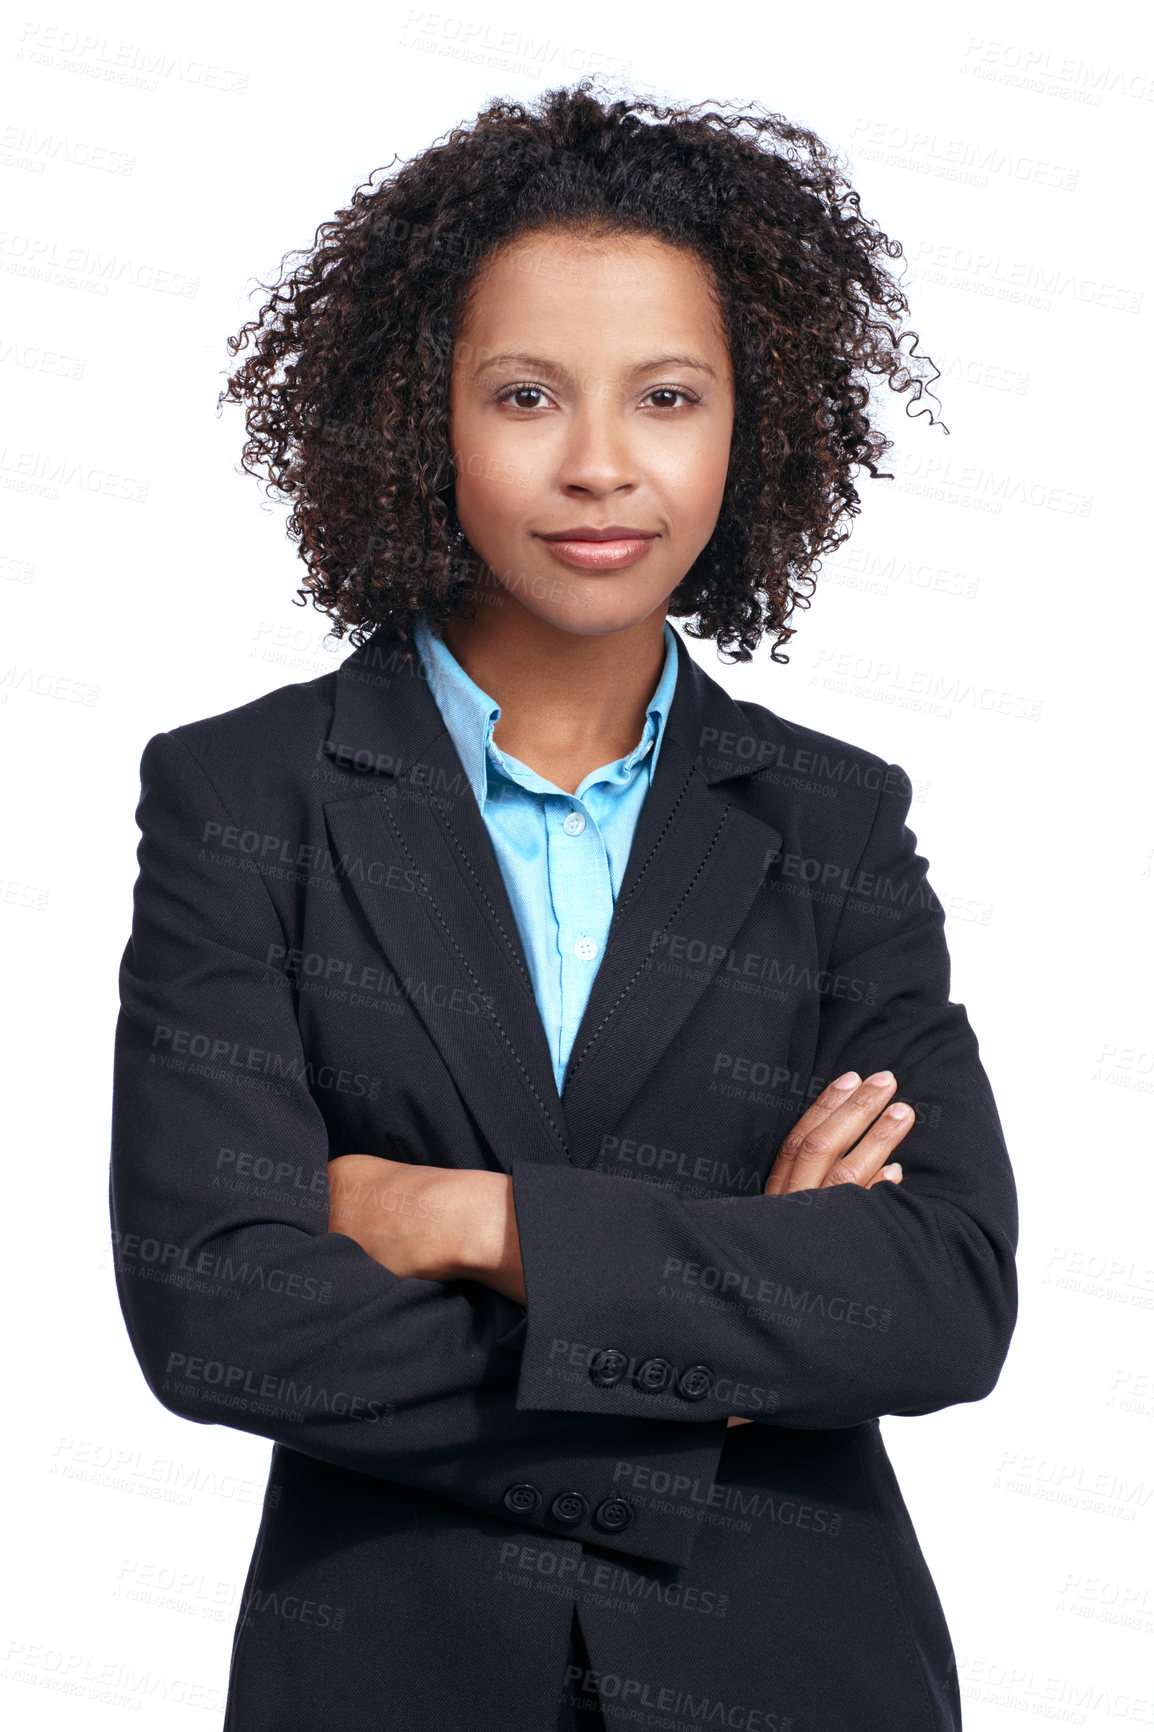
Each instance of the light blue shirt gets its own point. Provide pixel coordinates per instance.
(562, 856)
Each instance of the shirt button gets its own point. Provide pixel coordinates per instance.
(586, 949)
(574, 824)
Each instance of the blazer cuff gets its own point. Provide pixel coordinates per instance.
(576, 1231)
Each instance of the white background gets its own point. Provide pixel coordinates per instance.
(1000, 572)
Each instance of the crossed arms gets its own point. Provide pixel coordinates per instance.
(441, 1376)
(438, 1224)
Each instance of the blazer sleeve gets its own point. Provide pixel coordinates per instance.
(241, 1307)
(823, 1308)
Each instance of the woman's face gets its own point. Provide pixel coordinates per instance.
(591, 389)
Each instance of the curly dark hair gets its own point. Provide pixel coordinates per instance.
(347, 388)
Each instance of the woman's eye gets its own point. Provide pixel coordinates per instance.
(668, 391)
(518, 391)
(670, 396)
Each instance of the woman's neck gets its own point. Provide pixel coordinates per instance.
(570, 701)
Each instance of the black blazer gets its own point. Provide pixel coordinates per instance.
(324, 960)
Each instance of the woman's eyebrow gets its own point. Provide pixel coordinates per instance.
(540, 364)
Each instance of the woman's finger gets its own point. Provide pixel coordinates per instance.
(831, 1097)
(817, 1151)
(866, 1159)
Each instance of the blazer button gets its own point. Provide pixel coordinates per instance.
(695, 1382)
(522, 1499)
(607, 1367)
(654, 1375)
(569, 1507)
(613, 1515)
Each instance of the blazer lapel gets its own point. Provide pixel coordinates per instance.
(696, 865)
(410, 840)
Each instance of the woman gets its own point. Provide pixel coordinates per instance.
(512, 1023)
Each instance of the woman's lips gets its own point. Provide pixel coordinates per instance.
(601, 555)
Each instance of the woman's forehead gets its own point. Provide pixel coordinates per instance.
(547, 282)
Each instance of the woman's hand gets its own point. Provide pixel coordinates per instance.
(823, 1148)
(433, 1223)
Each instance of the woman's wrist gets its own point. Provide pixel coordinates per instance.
(432, 1223)
(484, 1244)
(482, 1241)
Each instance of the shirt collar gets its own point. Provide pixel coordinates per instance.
(471, 715)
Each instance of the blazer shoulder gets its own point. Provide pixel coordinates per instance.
(267, 743)
(781, 748)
